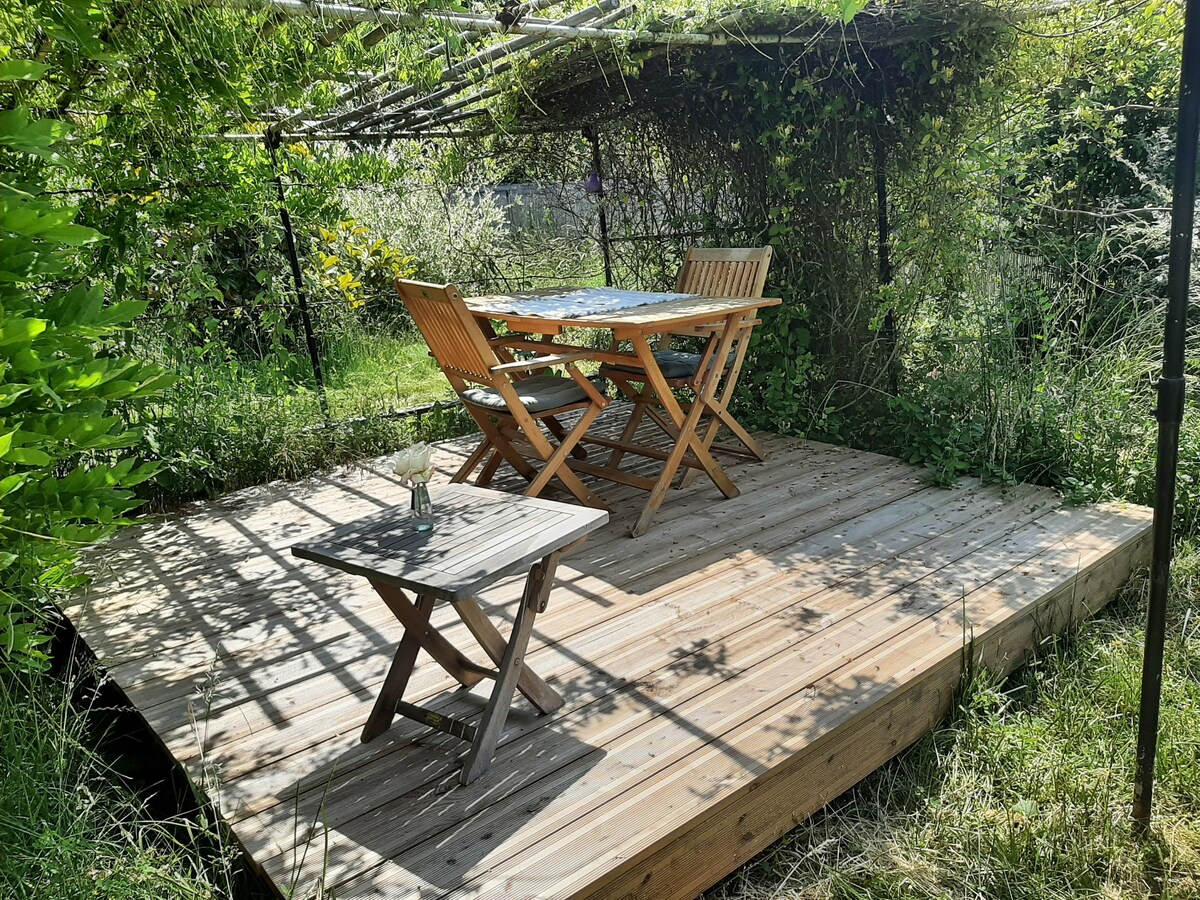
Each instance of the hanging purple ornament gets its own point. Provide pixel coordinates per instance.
(592, 184)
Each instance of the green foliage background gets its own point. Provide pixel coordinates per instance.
(150, 347)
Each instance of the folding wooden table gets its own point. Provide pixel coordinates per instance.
(478, 537)
(638, 324)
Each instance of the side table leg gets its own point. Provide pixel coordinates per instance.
(491, 726)
(536, 691)
(397, 677)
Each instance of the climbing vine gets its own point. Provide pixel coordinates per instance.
(748, 146)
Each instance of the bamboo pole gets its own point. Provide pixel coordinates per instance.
(467, 36)
(413, 114)
(454, 72)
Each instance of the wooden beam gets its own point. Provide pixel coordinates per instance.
(490, 25)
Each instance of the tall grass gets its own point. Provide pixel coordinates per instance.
(230, 423)
(71, 826)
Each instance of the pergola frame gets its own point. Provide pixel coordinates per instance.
(411, 112)
(408, 113)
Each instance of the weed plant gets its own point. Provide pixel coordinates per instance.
(72, 826)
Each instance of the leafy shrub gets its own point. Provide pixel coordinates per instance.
(66, 473)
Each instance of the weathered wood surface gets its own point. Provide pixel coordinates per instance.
(481, 535)
(723, 676)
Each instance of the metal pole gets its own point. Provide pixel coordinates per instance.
(1169, 411)
(884, 255)
(271, 139)
(594, 139)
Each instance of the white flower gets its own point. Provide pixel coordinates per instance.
(402, 463)
(422, 461)
(414, 463)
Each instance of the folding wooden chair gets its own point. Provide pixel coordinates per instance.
(717, 272)
(506, 407)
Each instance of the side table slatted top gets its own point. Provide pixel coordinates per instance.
(479, 536)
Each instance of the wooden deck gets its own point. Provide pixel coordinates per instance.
(725, 676)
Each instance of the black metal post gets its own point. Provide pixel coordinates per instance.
(594, 139)
(885, 255)
(271, 139)
(1169, 411)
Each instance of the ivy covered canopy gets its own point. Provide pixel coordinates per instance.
(733, 123)
(542, 63)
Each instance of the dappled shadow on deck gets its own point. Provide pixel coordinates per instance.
(733, 639)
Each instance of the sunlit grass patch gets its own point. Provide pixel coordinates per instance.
(70, 827)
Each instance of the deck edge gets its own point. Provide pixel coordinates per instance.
(749, 821)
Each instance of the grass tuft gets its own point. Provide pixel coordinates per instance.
(72, 827)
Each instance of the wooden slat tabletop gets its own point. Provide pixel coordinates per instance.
(479, 536)
(651, 318)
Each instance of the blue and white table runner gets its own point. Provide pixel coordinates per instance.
(578, 302)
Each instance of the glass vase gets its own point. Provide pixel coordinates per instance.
(422, 507)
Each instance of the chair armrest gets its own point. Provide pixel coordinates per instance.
(540, 362)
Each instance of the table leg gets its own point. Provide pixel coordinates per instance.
(536, 691)
(466, 672)
(491, 726)
(688, 439)
(397, 677)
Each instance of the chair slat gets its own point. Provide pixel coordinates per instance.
(449, 329)
(725, 271)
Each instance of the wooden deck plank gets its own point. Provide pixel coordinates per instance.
(725, 705)
(604, 593)
(741, 644)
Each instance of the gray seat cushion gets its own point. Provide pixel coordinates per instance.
(539, 393)
(674, 364)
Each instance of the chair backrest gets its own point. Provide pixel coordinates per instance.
(725, 271)
(454, 337)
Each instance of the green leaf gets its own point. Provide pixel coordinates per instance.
(851, 8)
(35, 137)
(28, 456)
(19, 331)
(22, 70)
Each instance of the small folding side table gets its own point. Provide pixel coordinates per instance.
(479, 536)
